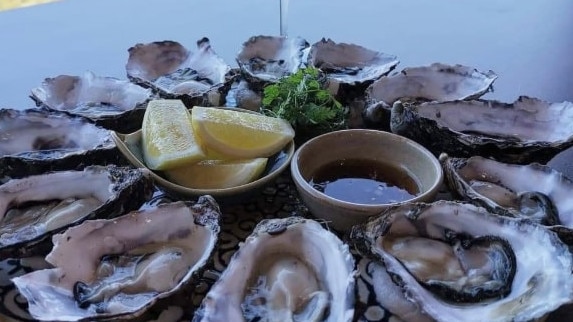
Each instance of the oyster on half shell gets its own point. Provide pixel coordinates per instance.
(117, 269)
(174, 72)
(268, 58)
(458, 262)
(349, 67)
(437, 82)
(534, 192)
(35, 141)
(114, 104)
(35, 207)
(527, 130)
(288, 269)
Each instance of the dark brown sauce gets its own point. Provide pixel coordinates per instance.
(365, 182)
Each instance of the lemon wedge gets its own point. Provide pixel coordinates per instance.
(239, 134)
(168, 140)
(217, 174)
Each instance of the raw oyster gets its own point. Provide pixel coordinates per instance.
(350, 63)
(197, 78)
(114, 104)
(535, 192)
(35, 141)
(34, 208)
(116, 269)
(288, 269)
(389, 295)
(268, 58)
(528, 130)
(437, 82)
(243, 96)
(459, 262)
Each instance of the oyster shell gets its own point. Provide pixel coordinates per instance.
(460, 263)
(35, 141)
(349, 64)
(269, 58)
(562, 162)
(197, 78)
(114, 104)
(34, 208)
(528, 130)
(288, 269)
(116, 269)
(534, 192)
(437, 82)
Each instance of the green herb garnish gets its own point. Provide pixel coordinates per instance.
(301, 100)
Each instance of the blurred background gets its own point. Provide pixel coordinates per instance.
(528, 43)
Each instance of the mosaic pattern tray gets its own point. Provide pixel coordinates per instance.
(277, 201)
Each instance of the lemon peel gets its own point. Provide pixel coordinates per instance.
(217, 174)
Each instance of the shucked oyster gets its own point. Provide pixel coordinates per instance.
(114, 269)
(287, 270)
(387, 294)
(114, 104)
(349, 64)
(535, 192)
(167, 67)
(268, 58)
(34, 208)
(35, 141)
(460, 263)
(528, 130)
(437, 82)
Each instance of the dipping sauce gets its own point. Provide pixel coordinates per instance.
(365, 182)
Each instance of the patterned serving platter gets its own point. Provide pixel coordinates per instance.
(276, 201)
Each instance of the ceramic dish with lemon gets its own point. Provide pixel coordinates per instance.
(223, 152)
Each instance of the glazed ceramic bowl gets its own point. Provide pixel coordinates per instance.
(130, 146)
(379, 146)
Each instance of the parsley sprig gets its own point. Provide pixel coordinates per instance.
(301, 100)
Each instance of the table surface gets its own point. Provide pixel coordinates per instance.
(528, 43)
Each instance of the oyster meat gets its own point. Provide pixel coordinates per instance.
(528, 130)
(35, 207)
(242, 95)
(387, 294)
(288, 269)
(349, 64)
(116, 269)
(534, 192)
(114, 104)
(437, 82)
(269, 58)
(458, 262)
(35, 141)
(174, 72)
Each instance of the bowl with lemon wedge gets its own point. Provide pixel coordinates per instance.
(224, 152)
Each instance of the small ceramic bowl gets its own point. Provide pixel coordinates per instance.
(397, 151)
(130, 146)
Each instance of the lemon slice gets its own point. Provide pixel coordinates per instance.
(168, 140)
(217, 174)
(240, 134)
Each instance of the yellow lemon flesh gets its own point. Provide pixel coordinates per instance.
(240, 135)
(168, 140)
(217, 174)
